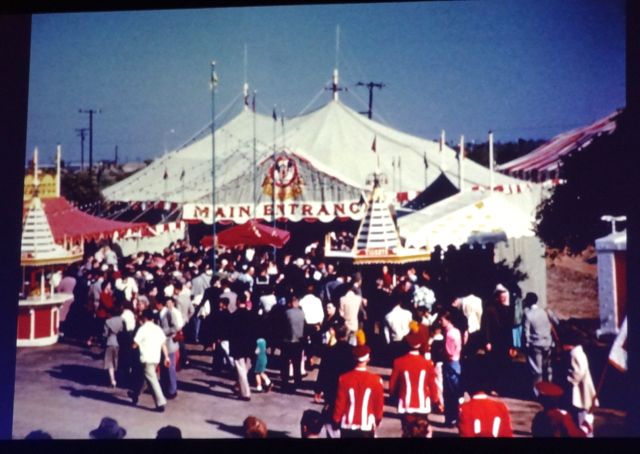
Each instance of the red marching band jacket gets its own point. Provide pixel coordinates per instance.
(359, 401)
(483, 416)
(413, 382)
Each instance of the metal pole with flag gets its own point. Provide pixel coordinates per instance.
(284, 144)
(182, 183)
(374, 149)
(214, 84)
(255, 170)
(461, 165)
(426, 168)
(273, 176)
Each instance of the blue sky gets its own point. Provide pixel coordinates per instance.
(529, 69)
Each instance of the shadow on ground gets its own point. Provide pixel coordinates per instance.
(83, 375)
(96, 395)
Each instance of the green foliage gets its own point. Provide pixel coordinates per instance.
(79, 187)
(502, 151)
(597, 183)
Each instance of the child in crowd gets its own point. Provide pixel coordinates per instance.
(261, 366)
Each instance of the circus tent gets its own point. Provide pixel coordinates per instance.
(334, 139)
(542, 163)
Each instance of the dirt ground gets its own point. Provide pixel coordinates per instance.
(572, 286)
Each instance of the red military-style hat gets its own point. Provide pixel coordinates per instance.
(361, 353)
(414, 340)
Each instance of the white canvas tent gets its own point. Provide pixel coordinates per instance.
(336, 138)
(454, 220)
(505, 219)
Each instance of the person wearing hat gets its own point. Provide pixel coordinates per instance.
(169, 432)
(360, 398)
(552, 421)
(413, 383)
(538, 340)
(482, 415)
(496, 326)
(150, 340)
(108, 430)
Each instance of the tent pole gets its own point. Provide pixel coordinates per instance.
(214, 83)
(491, 161)
(255, 170)
(460, 165)
(273, 177)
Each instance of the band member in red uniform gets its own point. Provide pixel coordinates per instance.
(360, 398)
(483, 416)
(413, 382)
(552, 421)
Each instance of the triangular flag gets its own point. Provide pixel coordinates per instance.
(275, 115)
(214, 79)
(166, 174)
(373, 145)
(618, 354)
(182, 175)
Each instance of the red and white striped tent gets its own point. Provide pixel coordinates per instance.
(542, 163)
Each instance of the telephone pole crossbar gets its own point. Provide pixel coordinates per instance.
(370, 86)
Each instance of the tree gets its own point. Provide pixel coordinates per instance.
(597, 182)
(80, 187)
(502, 151)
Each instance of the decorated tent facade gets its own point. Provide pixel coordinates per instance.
(377, 240)
(69, 223)
(290, 186)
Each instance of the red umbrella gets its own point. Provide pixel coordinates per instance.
(251, 233)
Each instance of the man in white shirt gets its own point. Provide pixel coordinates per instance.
(313, 316)
(150, 340)
(397, 321)
(349, 308)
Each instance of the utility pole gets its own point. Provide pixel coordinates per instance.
(91, 112)
(370, 86)
(81, 133)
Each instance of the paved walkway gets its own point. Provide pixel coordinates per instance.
(63, 390)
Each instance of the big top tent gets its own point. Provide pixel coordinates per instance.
(335, 138)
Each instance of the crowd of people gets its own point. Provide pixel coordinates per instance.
(449, 353)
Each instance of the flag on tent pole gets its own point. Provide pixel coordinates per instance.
(618, 354)
(275, 115)
(426, 163)
(253, 102)
(182, 175)
(282, 118)
(214, 78)
(166, 174)
(373, 145)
